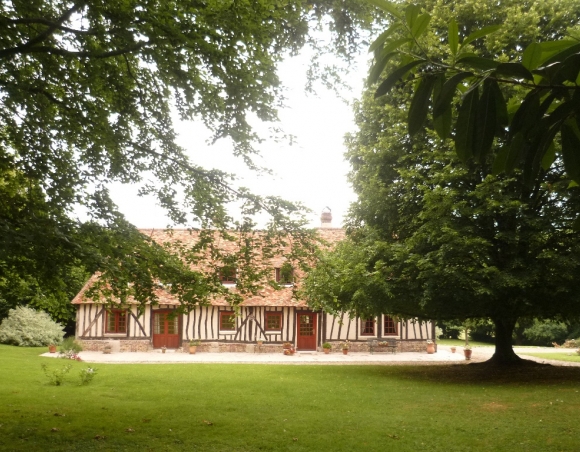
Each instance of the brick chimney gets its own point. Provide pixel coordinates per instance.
(326, 218)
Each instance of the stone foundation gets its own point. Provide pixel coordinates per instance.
(402, 346)
(118, 345)
(144, 345)
(233, 347)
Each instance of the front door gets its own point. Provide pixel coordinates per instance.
(165, 330)
(306, 326)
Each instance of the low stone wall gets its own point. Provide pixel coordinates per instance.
(402, 346)
(235, 347)
(117, 345)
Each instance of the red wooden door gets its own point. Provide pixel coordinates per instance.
(165, 330)
(306, 330)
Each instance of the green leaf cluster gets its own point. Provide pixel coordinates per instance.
(511, 107)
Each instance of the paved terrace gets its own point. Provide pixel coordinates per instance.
(443, 356)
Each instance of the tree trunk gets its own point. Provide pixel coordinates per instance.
(504, 352)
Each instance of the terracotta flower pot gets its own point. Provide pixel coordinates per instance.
(467, 354)
(192, 349)
(453, 349)
(52, 348)
(430, 348)
(345, 351)
(326, 351)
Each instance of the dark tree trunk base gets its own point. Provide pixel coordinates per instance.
(494, 361)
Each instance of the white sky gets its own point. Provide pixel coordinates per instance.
(311, 171)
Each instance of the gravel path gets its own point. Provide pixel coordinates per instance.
(443, 356)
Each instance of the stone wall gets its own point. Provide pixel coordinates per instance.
(233, 347)
(402, 346)
(117, 345)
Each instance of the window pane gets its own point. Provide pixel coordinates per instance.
(173, 325)
(159, 327)
(390, 326)
(121, 322)
(306, 326)
(227, 321)
(368, 327)
(273, 321)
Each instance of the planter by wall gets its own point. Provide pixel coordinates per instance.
(192, 349)
(345, 351)
(430, 348)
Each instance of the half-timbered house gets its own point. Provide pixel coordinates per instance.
(274, 316)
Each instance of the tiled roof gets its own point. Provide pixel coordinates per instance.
(268, 296)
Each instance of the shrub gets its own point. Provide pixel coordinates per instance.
(546, 332)
(29, 328)
(70, 348)
(56, 376)
(87, 375)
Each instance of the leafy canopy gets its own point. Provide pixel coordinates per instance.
(437, 236)
(87, 92)
(540, 102)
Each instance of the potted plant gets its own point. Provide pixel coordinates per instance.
(326, 347)
(286, 345)
(453, 349)
(345, 346)
(260, 342)
(467, 352)
(193, 344)
(430, 347)
(163, 349)
(52, 348)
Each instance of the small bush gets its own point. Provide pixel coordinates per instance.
(546, 332)
(87, 375)
(56, 376)
(70, 348)
(29, 328)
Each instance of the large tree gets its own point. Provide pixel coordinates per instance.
(437, 237)
(87, 92)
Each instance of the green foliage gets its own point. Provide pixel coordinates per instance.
(89, 90)
(435, 233)
(327, 345)
(30, 328)
(546, 332)
(87, 375)
(56, 376)
(70, 347)
(538, 100)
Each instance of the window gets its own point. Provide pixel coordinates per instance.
(390, 326)
(285, 274)
(368, 327)
(227, 321)
(116, 321)
(228, 275)
(273, 321)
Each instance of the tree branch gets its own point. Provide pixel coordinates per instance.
(45, 34)
(68, 53)
(50, 23)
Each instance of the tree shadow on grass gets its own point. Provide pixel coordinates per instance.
(529, 372)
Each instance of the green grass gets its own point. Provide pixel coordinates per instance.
(461, 343)
(223, 407)
(571, 357)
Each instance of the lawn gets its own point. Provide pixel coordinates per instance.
(277, 408)
(572, 356)
(461, 343)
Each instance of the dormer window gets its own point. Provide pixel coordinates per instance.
(285, 274)
(228, 275)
